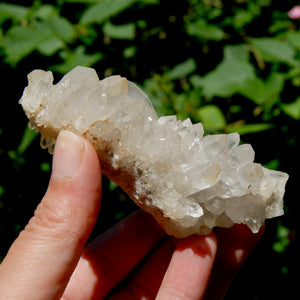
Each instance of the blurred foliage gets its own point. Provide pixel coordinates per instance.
(232, 65)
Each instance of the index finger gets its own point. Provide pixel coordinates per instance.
(190, 268)
(108, 259)
(234, 245)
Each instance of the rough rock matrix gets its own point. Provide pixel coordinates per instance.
(188, 182)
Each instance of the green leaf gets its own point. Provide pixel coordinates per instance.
(46, 11)
(282, 232)
(123, 32)
(273, 164)
(212, 117)
(281, 25)
(47, 36)
(21, 41)
(283, 239)
(89, 34)
(82, 1)
(251, 88)
(236, 75)
(182, 69)
(76, 58)
(248, 128)
(196, 80)
(292, 109)
(180, 102)
(241, 18)
(2, 191)
(112, 185)
(233, 75)
(28, 137)
(160, 91)
(103, 10)
(274, 51)
(205, 31)
(237, 52)
(293, 38)
(129, 51)
(12, 11)
(272, 89)
(45, 167)
(16, 158)
(50, 46)
(61, 27)
(149, 2)
(280, 246)
(264, 93)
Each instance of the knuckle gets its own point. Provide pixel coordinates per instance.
(51, 222)
(177, 292)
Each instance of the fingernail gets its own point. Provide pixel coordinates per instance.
(67, 155)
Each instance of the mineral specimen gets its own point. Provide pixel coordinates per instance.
(189, 182)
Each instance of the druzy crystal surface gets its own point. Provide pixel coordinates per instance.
(189, 182)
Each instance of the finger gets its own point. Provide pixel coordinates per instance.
(41, 260)
(234, 245)
(145, 281)
(107, 260)
(189, 270)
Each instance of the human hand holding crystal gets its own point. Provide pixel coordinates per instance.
(133, 260)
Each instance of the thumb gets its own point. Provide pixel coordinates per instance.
(43, 257)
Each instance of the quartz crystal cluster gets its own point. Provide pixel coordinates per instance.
(189, 182)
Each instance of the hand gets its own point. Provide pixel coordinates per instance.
(133, 260)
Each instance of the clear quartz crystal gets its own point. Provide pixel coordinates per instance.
(188, 182)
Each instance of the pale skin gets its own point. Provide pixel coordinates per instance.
(133, 260)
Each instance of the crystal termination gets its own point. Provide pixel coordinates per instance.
(189, 182)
